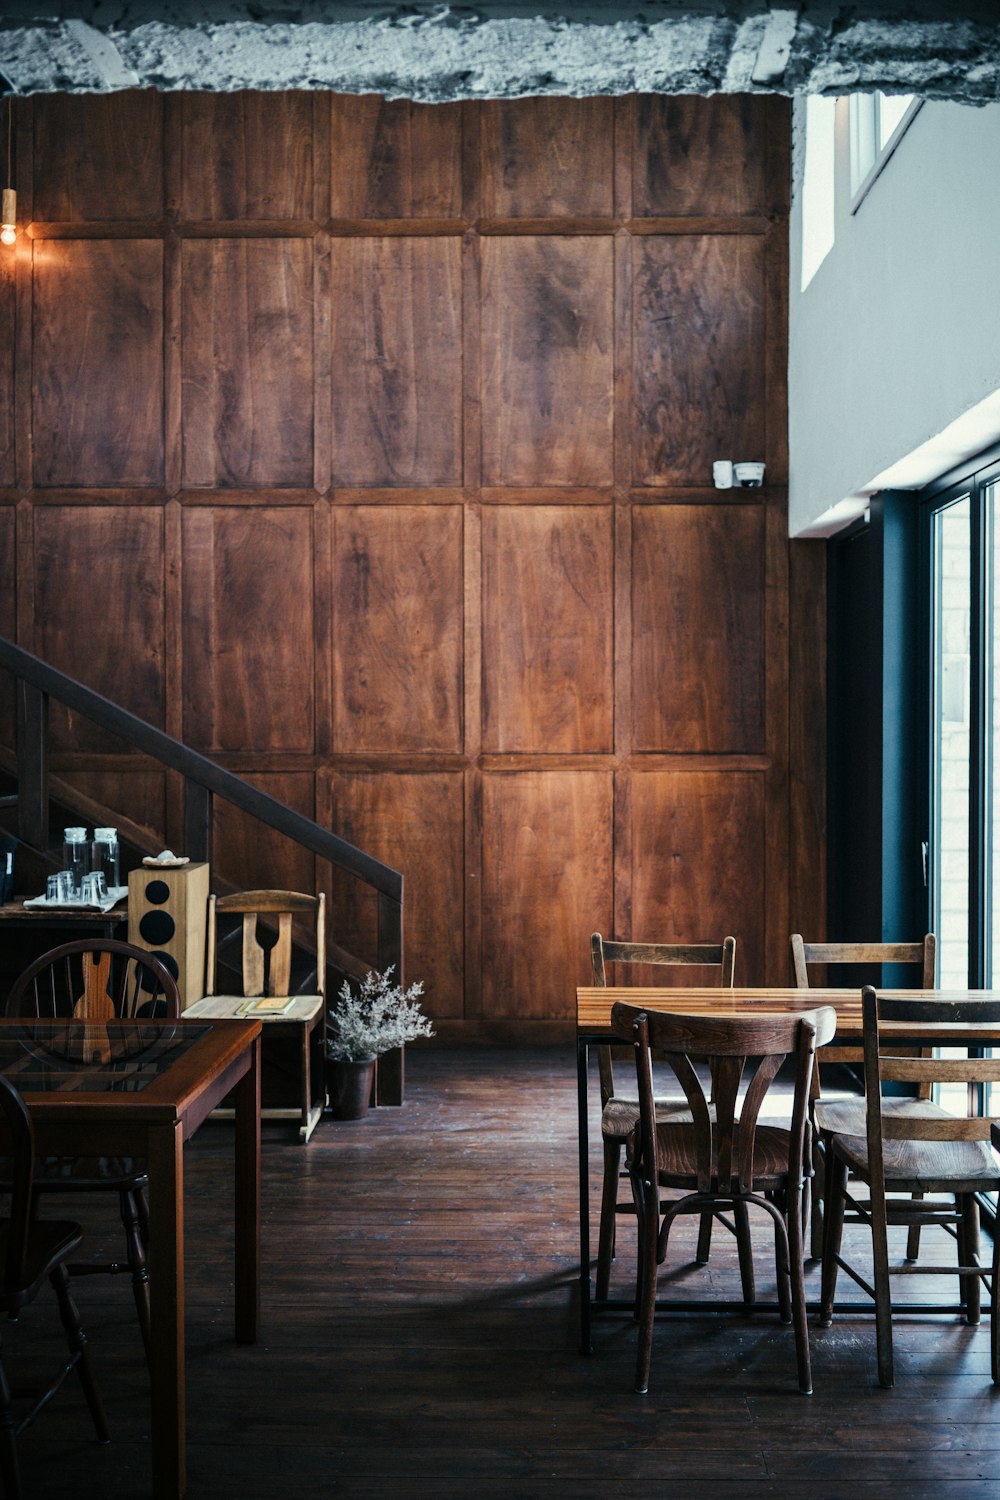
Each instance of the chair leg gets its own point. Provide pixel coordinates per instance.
(744, 1247)
(968, 1244)
(781, 1262)
(647, 1289)
(704, 1249)
(833, 1230)
(913, 1235)
(9, 1471)
(995, 1313)
(883, 1292)
(817, 1193)
(609, 1201)
(136, 1254)
(796, 1249)
(77, 1341)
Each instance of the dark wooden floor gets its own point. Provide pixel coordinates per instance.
(420, 1338)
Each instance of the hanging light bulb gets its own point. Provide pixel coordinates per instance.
(8, 222)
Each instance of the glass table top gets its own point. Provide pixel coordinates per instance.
(92, 1056)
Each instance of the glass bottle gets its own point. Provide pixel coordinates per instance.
(76, 855)
(105, 855)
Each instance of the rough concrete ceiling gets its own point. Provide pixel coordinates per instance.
(438, 52)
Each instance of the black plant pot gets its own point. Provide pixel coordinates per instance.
(349, 1086)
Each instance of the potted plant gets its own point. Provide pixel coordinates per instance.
(366, 1021)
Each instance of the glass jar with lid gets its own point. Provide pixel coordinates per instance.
(76, 855)
(104, 856)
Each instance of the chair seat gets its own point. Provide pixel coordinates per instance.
(81, 1174)
(926, 1166)
(677, 1162)
(619, 1117)
(49, 1242)
(847, 1116)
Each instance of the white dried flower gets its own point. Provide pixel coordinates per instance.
(376, 1018)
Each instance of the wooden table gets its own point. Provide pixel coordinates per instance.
(593, 1023)
(148, 1087)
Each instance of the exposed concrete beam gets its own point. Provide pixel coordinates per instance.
(437, 52)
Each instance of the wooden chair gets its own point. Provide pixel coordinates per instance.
(36, 1250)
(99, 979)
(846, 1115)
(619, 1115)
(721, 1157)
(925, 1149)
(293, 1015)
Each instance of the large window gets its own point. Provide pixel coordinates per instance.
(964, 761)
(877, 124)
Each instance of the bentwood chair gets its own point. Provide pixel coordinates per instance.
(927, 1149)
(100, 979)
(33, 1251)
(722, 1157)
(620, 1113)
(847, 1115)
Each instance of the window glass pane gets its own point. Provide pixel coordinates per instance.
(892, 108)
(817, 185)
(862, 117)
(951, 626)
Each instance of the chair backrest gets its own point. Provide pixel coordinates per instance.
(923, 953)
(95, 979)
(935, 1019)
(735, 1047)
(266, 967)
(21, 1155)
(720, 956)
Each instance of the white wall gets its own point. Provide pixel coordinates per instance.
(897, 336)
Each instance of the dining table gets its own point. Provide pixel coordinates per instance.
(141, 1088)
(594, 1004)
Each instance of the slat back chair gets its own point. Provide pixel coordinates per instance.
(96, 980)
(36, 1250)
(721, 1156)
(267, 969)
(619, 1114)
(926, 1148)
(843, 1114)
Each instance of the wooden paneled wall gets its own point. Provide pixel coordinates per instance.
(367, 447)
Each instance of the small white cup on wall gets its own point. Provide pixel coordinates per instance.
(722, 474)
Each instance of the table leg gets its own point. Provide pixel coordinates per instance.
(166, 1313)
(247, 1099)
(582, 1062)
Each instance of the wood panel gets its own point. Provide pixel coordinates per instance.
(246, 156)
(697, 862)
(141, 796)
(8, 620)
(547, 158)
(547, 380)
(98, 157)
(397, 628)
(97, 393)
(698, 373)
(393, 159)
(547, 885)
(397, 362)
(250, 856)
(413, 821)
(548, 674)
(698, 648)
(247, 611)
(699, 156)
(99, 609)
(247, 362)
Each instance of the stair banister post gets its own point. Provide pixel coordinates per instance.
(197, 821)
(32, 765)
(389, 1080)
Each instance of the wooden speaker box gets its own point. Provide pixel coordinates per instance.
(168, 914)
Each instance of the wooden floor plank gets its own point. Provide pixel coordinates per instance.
(420, 1336)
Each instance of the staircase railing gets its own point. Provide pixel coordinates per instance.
(203, 780)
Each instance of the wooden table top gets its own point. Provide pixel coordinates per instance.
(594, 1003)
(62, 916)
